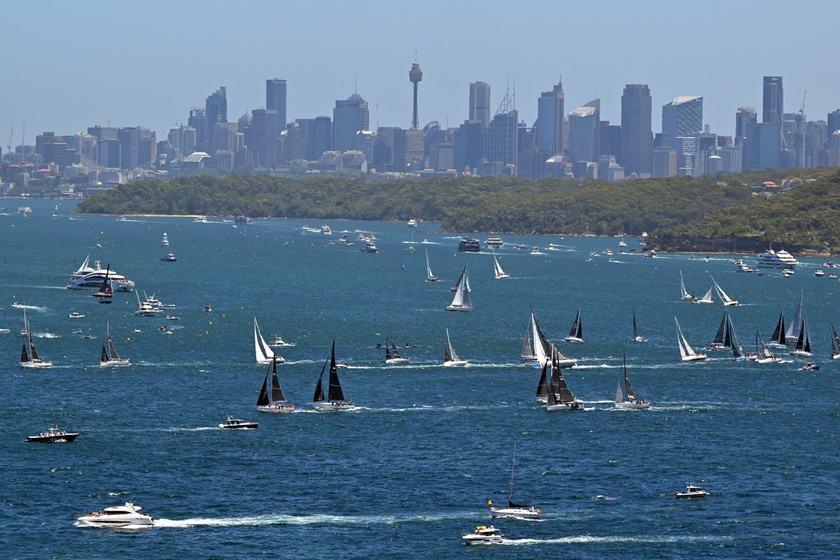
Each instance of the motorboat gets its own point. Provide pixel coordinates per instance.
(469, 245)
(536, 251)
(165, 241)
(169, 258)
(278, 342)
(200, 220)
(127, 516)
(75, 315)
(88, 277)
(412, 223)
(146, 309)
(494, 242)
(691, 491)
(325, 229)
(53, 435)
(483, 535)
(810, 366)
(172, 318)
(237, 424)
(776, 259)
(369, 246)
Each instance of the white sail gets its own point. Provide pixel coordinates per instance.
(429, 276)
(264, 354)
(721, 294)
(708, 297)
(536, 338)
(793, 328)
(462, 300)
(683, 292)
(497, 269)
(687, 353)
(450, 358)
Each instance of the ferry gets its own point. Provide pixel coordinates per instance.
(494, 243)
(469, 245)
(91, 278)
(776, 259)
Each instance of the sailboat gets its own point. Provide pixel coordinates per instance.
(263, 352)
(835, 344)
(542, 386)
(392, 356)
(686, 352)
(334, 400)
(683, 293)
(631, 401)
(543, 347)
(792, 332)
(454, 288)
(450, 358)
(521, 511)
(762, 352)
(636, 336)
(276, 401)
(109, 356)
(461, 301)
(560, 397)
(737, 350)
(576, 332)
(429, 276)
(497, 269)
(723, 337)
(707, 298)
(727, 301)
(29, 357)
(105, 292)
(803, 341)
(779, 340)
(527, 346)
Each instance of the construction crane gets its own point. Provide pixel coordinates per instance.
(9, 143)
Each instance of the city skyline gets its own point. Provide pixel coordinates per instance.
(154, 80)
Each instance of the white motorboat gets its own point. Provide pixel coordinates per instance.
(127, 516)
(53, 435)
(146, 309)
(776, 259)
(165, 241)
(237, 424)
(483, 535)
(334, 399)
(278, 342)
(494, 242)
(412, 223)
(75, 315)
(691, 491)
(369, 246)
(88, 277)
(516, 511)
(325, 229)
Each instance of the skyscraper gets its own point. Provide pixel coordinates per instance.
(636, 131)
(262, 137)
(550, 124)
(743, 118)
(275, 100)
(500, 142)
(414, 76)
(216, 107)
(349, 117)
(480, 103)
(773, 108)
(682, 117)
(583, 132)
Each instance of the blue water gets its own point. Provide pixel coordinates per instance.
(409, 471)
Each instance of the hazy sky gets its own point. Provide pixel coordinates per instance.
(70, 65)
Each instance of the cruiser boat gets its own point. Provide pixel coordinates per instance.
(412, 223)
(237, 424)
(127, 516)
(494, 242)
(53, 435)
(469, 245)
(90, 278)
(483, 535)
(146, 309)
(325, 229)
(369, 246)
(75, 315)
(170, 257)
(691, 491)
(776, 259)
(165, 241)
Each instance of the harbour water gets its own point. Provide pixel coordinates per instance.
(413, 467)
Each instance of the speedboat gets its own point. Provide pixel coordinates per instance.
(691, 491)
(117, 517)
(91, 277)
(369, 246)
(325, 229)
(236, 424)
(53, 435)
(810, 367)
(483, 535)
(75, 315)
(169, 258)
(278, 342)
(412, 223)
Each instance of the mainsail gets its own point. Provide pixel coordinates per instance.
(793, 329)
(462, 300)
(779, 336)
(335, 392)
(429, 276)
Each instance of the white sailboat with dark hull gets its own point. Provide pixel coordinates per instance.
(462, 300)
(429, 276)
(262, 351)
(576, 332)
(334, 399)
(109, 356)
(273, 400)
(631, 401)
(450, 358)
(762, 351)
(727, 301)
(29, 357)
(497, 269)
(560, 397)
(543, 348)
(513, 510)
(392, 355)
(687, 353)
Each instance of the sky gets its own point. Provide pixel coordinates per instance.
(71, 65)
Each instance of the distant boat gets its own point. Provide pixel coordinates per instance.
(636, 336)
(412, 223)
(686, 352)
(631, 401)
(450, 358)
(517, 511)
(527, 346)
(691, 491)
(727, 301)
(278, 342)
(105, 293)
(109, 356)
(462, 300)
(165, 241)
(334, 399)
(497, 268)
(29, 357)
(263, 352)
(779, 340)
(576, 332)
(169, 258)
(762, 352)
(560, 397)
(53, 435)
(707, 298)
(543, 348)
(276, 400)
(792, 332)
(392, 355)
(683, 293)
(542, 386)
(835, 344)
(237, 424)
(723, 337)
(803, 341)
(429, 276)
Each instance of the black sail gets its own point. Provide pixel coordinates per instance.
(32, 351)
(103, 357)
(276, 391)
(722, 333)
(262, 400)
(627, 387)
(335, 394)
(319, 388)
(779, 334)
(24, 355)
(542, 386)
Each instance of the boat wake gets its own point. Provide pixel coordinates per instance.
(582, 539)
(281, 519)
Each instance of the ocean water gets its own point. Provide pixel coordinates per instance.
(413, 467)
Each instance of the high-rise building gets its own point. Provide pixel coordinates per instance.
(636, 132)
(414, 76)
(550, 115)
(743, 118)
(275, 99)
(583, 132)
(480, 103)
(500, 142)
(773, 108)
(832, 122)
(349, 117)
(216, 108)
(682, 117)
(468, 146)
(198, 121)
(408, 149)
(129, 138)
(262, 138)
